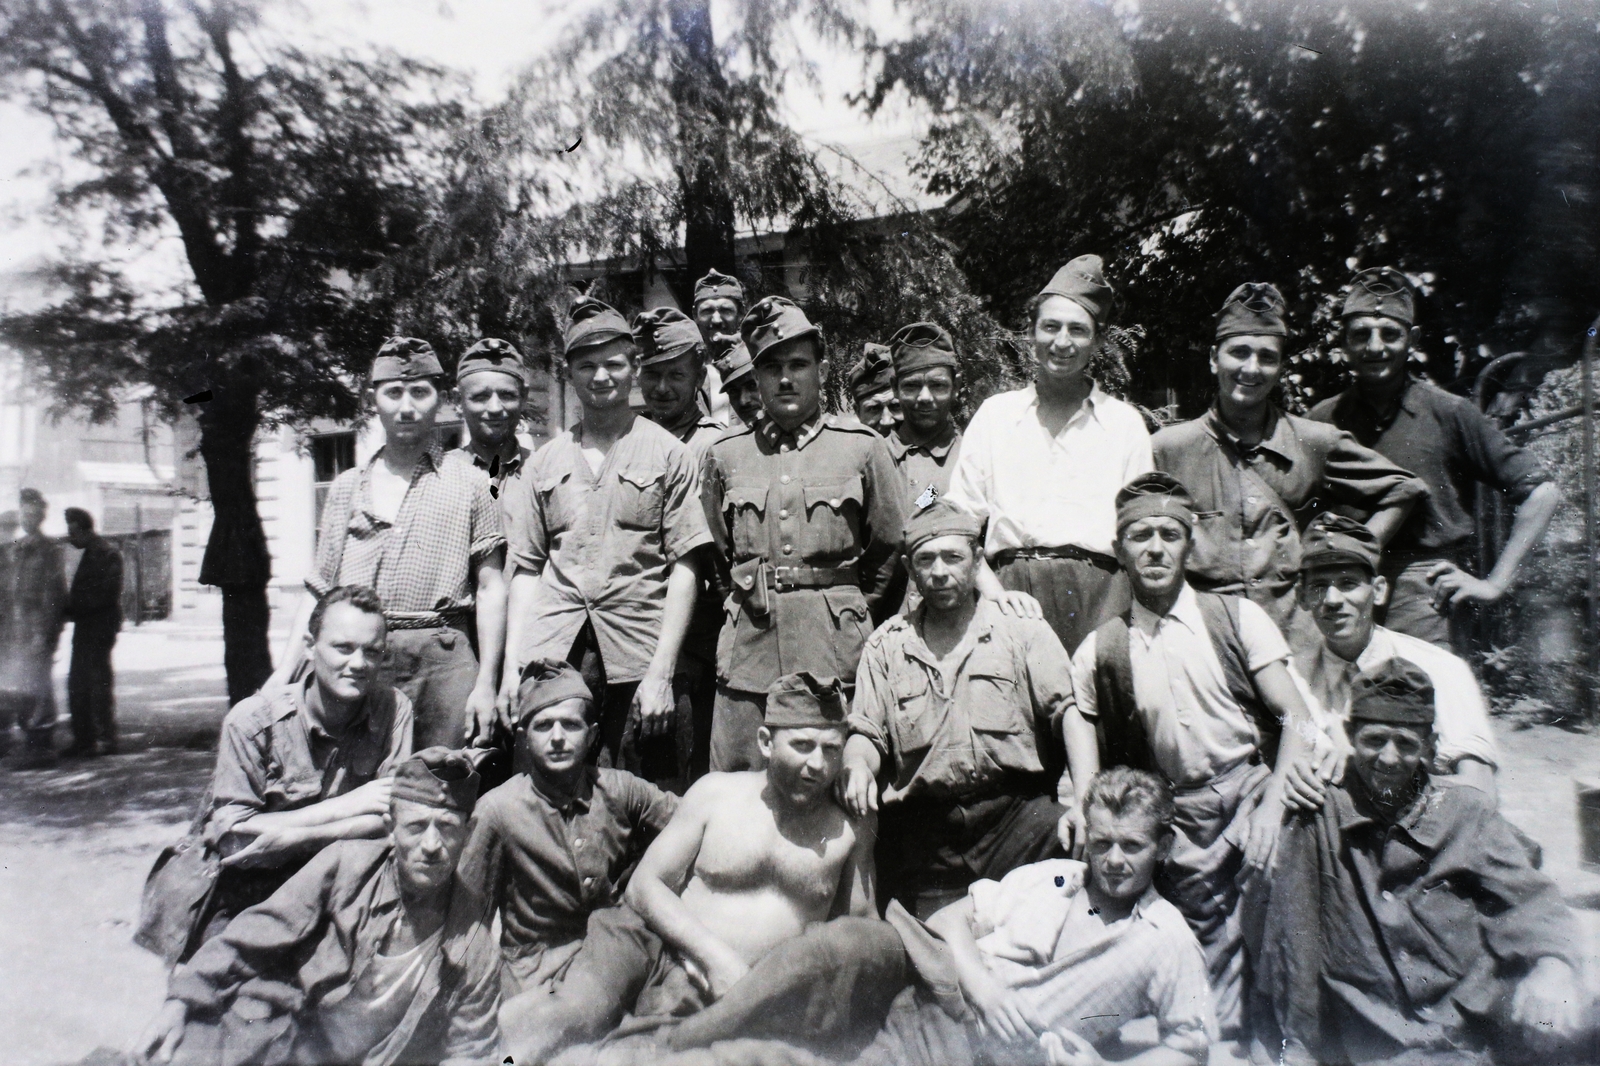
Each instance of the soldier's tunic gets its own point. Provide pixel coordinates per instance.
(809, 525)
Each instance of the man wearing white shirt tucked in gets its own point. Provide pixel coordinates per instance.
(1043, 464)
(1341, 587)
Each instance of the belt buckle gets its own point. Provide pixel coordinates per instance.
(783, 579)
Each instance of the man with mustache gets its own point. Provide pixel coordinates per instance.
(926, 445)
(719, 304)
(492, 384)
(807, 510)
(603, 528)
(1258, 473)
(1195, 687)
(1043, 464)
(1404, 920)
(1343, 587)
(872, 390)
(1450, 444)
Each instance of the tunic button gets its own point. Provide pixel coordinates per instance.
(788, 549)
(784, 479)
(833, 502)
(588, 880)
(578, 843)
(783, 514)
(1387, 895)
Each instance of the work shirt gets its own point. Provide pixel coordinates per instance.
(95, 601)
(603, 544)
(826, 496)
(923, 465)
(546, 866)
(1044, 491)
(1403, 922)
(498, 469)
(423, 564)
(1039, 934)
(960, 727)
(1196, 727)
(273, 756)
(316, 941)
(698, 436)
(1253, 500)
(1445, 440)
(1461, 717)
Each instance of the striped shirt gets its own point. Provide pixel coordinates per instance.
(424, 563)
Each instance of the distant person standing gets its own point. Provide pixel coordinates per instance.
(94, 607)
(38, 603)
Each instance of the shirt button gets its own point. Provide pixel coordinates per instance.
(783, 514)
(784, 479)
(788, 549)
(833, 502)
(588, 880)
(578, 843)
(1387, 895)
(783, 447)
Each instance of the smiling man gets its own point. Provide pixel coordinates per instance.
(926, 445)
(672, 371)
(1403, 920)
(1258, 473)
(807, 510)
(964, 704)
(375, 953)
(1043, 464)
(1450, 444)
(719, 302)
(603, 527)
(492, 383)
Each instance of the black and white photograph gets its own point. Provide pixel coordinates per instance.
(799, 533)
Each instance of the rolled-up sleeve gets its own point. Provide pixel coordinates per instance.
(527, 546)
(683, 517)
(1359, 477)
(1049, 673)
(1461, 718)
(1495, 460)
(487, 534)
(869, 713)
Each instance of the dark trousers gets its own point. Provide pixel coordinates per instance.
(930, 852)
(735, 718)
(1076, 595)
(89, 686)
(436, 669)
(653, 758)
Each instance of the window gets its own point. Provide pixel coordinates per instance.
(331, 455)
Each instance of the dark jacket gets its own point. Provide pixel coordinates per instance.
(96, 596)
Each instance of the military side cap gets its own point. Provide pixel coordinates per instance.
(1396, 691)
(1083, 281)
(594, 322)
(547, 682)
(437, 777)
(734, 364)
(663, 334)
(491, 353)
(771, 322)
(873, 374)
(940, 518)
(921, 345)
(1152, 494)
(1334, 540)
(717, 285)
(1381, 291)
(803, 701)
(405, 359)
(1254, 309)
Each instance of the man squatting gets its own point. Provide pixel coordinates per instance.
(1140, 742)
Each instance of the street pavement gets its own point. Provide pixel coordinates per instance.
(77, 841)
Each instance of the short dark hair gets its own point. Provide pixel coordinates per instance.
(1123, 790)
(77, 516)
(360, 597)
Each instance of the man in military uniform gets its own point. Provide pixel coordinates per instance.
(927, 378)
(739, 383)
(672, 371)
(38, 611)
(872, 390)
(1258, 474)
(1448, 443)
(806, 510)
(718, 305)
(493, 386)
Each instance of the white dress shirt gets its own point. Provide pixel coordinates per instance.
(1461, 718)
(1044, 491)
(1197, 729)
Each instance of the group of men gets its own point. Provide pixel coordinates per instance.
(864, 739)
(36, 602)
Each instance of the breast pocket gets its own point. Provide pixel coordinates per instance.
(640, 495)
(996, 696)
(909, 725)
(744, 507)
(556, 504)
(833, 516)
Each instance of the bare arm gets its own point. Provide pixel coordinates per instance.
(858, 779)
(1083, 750)
(653, 699)
(1386, 522)
(663, 873)
(999, 1008)
(274, 841)
(1293, 780)
(524, 585)
(1454, 587)
(857, 895)
(490, 614)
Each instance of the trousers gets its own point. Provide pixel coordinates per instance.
(657, 759)
(436, 669)
(735, 718)
(1076, 595)
(90, 685)
(1410, 609)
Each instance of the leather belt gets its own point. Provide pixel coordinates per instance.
(785, 578)
(1066, 551)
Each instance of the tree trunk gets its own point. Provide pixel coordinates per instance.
(236, 558)
(699, 92)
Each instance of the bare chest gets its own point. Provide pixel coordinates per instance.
(749, 854)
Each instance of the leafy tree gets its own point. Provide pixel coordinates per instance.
(1198, 145)
(286, 176)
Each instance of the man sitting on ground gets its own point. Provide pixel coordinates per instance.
(308, 763)
(752, 915)
(554, 844)
(374, 953)
(1341, 584)
(966, 702)
(1403, 918)
(1050, 964)
(1194, 686)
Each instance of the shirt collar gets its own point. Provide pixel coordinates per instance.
(1352, 402)
(1090, 409)
(980, 631)
(508, 466)
(899, 447)
(1185, 610)
(434, 455)
(805, 434)
(1380, 648)
(300, 702)
(580, 801)
(1278, 438)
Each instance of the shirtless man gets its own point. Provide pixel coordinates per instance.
(752, 914)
